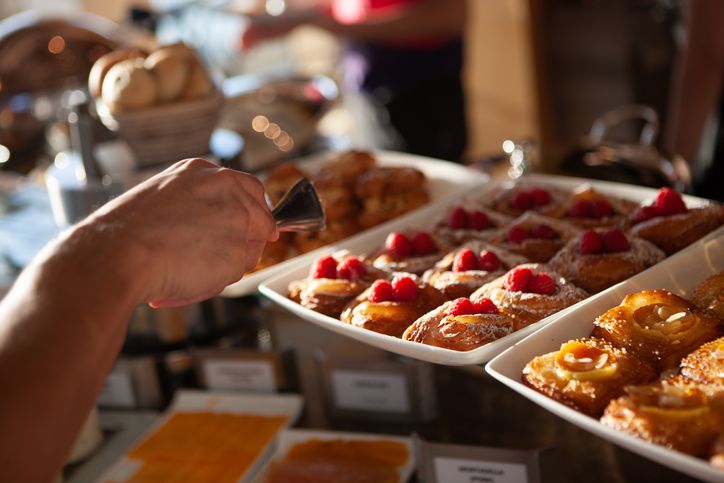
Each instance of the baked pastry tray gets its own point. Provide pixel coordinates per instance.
(446, 180)
(679, 273)
(424, 218)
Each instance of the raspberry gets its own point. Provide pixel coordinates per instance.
(398, 245)
(539, 196)
(485, 306)
(458, 219)
(461, 306)
(517, 279)
(404, 289)
(324, 267)
(465, 260)
(517, 234)
(601, 208)
(644, 213)
(580, 209)
(351, 268)
(615, 241)
(488, 261)
(542, 283)
(381, 291)
(423, 244)
(669, 202)
(543, 232)
(479, 220)
(590, 242)
(521, 201)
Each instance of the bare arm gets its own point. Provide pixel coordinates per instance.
(699, 77)
(178, 238)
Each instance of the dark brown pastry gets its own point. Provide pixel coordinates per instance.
(469, 221)
(388, 192)
(467, 268)
(585, 374)
(460, 325)
(709, 294)
(333, 281)
(337, 199)
(275, 252)
(529, 293)
(535, 237)
(589, 208)
(674, 412)
(658, 325)
(311, 240)
(600, 258)
(409, 251)
(349, 165)
(280, 179)
(525, 196)
(391, 307)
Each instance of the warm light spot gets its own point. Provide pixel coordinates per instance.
(275, 7)
(282, 139)
(288, 146)
(4, 154)
(508, 146)
(259, 123)
(56, 45)
(272, 131)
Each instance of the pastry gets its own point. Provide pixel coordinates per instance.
(171, 73)
(460, 325)
(535, 237)
(529, 293)
(716, 453)
(337, 199)
(673, 412)
(470, 222)
(127, 85)
(585, 374)
(468, 267)
(307, 241)
(600, 258)
(280, 179)
(525, 196)
(103, 65)
(709, 294)
(387, 192)
(411, 252)
(274, 252)
(669, 224)
(349, 165)
(333, 281)
(391, 307)
(588, 208)
(706, 364)
(657, 325)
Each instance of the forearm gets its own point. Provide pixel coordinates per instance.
(62, 326)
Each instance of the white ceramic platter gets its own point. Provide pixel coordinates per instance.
(288, 438)
(276, 287)
(289, 405)
(679, 274)
(446, 180)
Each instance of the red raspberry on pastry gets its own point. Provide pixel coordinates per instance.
(478, 221)
(539, 196)
(381, 291)
(461, 306)
(590, 242)
(488, 261)
(404, 289)
(543, 284)
(669, 202)
(521, 201)
(465, 260)
(351, 268)
(601, 208)
(543, 232)
(580, 209)
(644, 213)
(325, 267)
(517, 279)
(485, 306)
(458, 218)
(517, 234)
(615, 241)
(423, 244)
(398, 245)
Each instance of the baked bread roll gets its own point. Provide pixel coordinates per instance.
(706, 364)
(529, 293)
(658, 325)
(460, 325)
(103, 65)
(674, 412)
(585, 374)
(128, 86)
(171, 73)
(600, 258)
(349, 165)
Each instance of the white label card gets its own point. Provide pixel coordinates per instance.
(117, 391)
(240, 375)
(370, 391)
(453, 470)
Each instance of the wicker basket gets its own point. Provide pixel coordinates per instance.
(167, 133)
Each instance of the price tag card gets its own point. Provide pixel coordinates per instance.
(447, 463)
(117, 391)
(370, 391)
(234, 370)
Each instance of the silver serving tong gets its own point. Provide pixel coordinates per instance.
(300, 209)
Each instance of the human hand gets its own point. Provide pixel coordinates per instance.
(187, 232)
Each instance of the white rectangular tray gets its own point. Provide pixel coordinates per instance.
(288, 438)
(276, 287)
(445, 181)
(679, 274)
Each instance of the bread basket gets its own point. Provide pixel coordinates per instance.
(166, 133)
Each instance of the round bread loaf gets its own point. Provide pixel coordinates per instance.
(103, 65)
(171, 72)
(128, 85)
